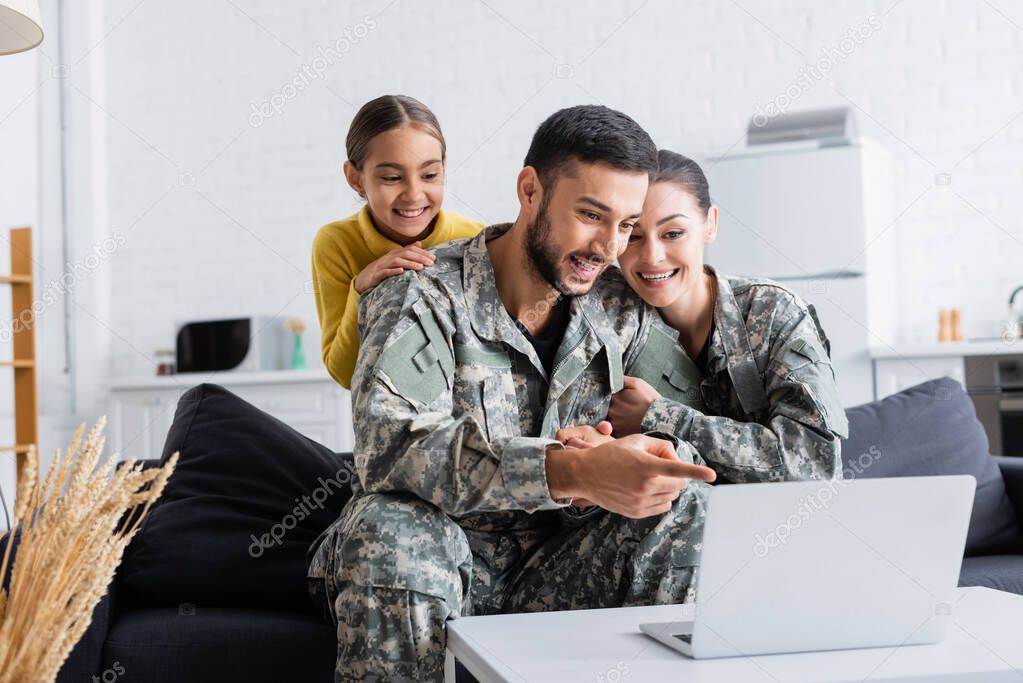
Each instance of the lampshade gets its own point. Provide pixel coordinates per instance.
(21, 26)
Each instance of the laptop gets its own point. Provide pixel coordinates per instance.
(809, 566)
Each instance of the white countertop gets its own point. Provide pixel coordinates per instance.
(970, 347)
(227, 378)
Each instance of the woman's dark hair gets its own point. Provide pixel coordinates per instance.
(387, 113)
(675, 168)
(589, 133)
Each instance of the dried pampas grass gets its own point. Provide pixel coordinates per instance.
(73, 528)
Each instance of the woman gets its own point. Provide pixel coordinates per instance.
(767, 407)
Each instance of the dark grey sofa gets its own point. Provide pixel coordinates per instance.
(932, 429)
(195, 599)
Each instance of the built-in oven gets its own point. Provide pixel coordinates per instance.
(995, 383)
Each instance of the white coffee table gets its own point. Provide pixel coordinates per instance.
(984, 645)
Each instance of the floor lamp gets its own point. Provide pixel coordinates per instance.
(21, 26)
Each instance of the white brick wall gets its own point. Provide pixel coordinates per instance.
(939, 83)
(19, 205)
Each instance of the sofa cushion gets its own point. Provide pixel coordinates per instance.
(233, 525)
(215, 644)
(932, 429)
(1001, 572)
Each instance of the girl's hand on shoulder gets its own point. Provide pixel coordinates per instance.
(394, 262)
(630, 404)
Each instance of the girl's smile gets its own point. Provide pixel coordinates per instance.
(402, 179)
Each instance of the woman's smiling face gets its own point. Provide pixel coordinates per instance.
(664, 257)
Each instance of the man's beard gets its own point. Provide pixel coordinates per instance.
(543, 255)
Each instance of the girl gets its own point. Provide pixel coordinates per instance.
(396, 162)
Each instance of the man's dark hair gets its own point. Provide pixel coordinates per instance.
(589, 133)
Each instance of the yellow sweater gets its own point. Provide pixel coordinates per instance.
(340, 251)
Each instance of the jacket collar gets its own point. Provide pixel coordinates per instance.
(487, 314)
(734, 350)
(726, 311)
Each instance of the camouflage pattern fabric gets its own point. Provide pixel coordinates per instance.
(771, 410)
(452, 515)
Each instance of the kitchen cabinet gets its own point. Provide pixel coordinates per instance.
(892, 375)
(902, 366)
(142, 408)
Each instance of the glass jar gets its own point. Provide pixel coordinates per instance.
(165, 362)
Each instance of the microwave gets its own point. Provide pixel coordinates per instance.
(246, 344)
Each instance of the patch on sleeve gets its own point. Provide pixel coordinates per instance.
(808, 350)
(804, 364)
(419, 363)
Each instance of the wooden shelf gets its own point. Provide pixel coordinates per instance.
(23, 358)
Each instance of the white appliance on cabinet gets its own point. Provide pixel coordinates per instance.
(815, 219)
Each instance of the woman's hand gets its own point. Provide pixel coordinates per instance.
(630, 404)
(394, 262)
(585, 436)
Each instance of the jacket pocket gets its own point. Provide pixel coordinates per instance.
(500, 406)
(664, 365)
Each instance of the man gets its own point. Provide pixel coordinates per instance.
(468, 369)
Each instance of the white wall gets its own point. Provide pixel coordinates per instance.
(19, 206)
(219, 213)
(30, 194)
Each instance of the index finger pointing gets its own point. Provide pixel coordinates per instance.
(662, 448)
(677, 468)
